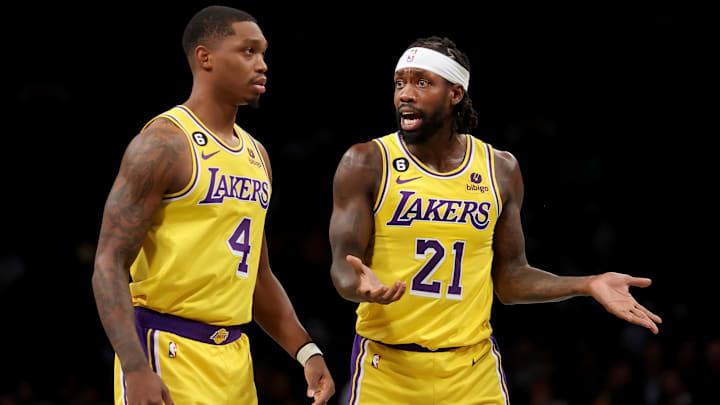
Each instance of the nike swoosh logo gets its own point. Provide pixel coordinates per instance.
(478, 359)
(206, 157)
(401, 181)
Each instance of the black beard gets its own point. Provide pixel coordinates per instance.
(429, 127)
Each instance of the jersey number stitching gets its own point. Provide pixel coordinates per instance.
(420, 285)
(239, 244)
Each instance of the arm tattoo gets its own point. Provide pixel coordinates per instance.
(147, 167)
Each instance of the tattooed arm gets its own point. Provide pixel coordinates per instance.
(156, 162)
(516, 282)
(355, 188)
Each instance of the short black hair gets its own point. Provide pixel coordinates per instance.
(466, 118)
(212, 23)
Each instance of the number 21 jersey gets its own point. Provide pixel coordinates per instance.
(433, 231)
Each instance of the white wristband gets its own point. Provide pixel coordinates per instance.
(308, 350)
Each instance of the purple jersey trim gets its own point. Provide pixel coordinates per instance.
(148, 319)
(260, 156)
(492, 178)
(385, 186)
(217, 140)
(454, 174)
(195, 157)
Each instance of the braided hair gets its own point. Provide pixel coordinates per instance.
(466, 118)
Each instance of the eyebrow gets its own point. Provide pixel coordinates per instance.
(255, 41)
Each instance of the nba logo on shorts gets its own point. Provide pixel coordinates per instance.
(376, 361)
(173, 350)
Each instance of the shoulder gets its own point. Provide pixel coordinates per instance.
(508, 175)
(160, 133)
(161, 139)
(505, 162)
(359, 171)
(362, 156)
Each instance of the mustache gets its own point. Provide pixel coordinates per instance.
(407, 106)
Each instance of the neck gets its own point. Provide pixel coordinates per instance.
(217, 115)
(443, 151)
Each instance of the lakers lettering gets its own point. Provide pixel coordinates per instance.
(412, 208)
(238, 187)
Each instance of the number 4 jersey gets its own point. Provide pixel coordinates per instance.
(433, 231)
(200, 258)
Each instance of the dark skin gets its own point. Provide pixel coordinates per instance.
(226, 74)
(355, 188)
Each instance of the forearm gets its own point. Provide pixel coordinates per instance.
(528, 285)
(275, 314)
(112, 297)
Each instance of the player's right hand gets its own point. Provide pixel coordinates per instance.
(144, 387)
(369, 286)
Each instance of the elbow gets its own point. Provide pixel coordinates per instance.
(504, 298)
(504, 295)
(344, 285)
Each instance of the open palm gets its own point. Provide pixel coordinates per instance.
(370, 288)
(612, 290)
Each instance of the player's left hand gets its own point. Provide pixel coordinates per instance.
(320, 384)
(612, 291)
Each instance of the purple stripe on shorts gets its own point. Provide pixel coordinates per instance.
(152, 350)
(356, 364)
(148, 319)
(496, 352)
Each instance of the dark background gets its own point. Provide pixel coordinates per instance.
(599, 105)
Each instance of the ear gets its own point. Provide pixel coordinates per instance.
(456, 94)
(203, 57)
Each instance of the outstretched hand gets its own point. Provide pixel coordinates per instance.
(370, 288)
(612, 291)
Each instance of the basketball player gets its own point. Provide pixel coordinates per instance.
(425, 228)
(185, 219)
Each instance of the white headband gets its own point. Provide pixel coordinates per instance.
(436, 62)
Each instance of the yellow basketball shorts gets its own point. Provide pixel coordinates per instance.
(382, 374)
(199, 363)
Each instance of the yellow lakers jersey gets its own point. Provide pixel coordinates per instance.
(433, 231)
(200, 258)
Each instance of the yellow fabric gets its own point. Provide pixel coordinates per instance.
(433, 231)
(200, 258)
(468, 375)
(199, 373)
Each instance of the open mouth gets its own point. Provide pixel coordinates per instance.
(410, 120)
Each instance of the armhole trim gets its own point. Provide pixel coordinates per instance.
(380, 199)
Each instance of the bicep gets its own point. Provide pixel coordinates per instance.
(509, 240)
(351, 223)
(145, 174)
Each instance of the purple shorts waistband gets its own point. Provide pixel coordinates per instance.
(201, 332)
(412, 347)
